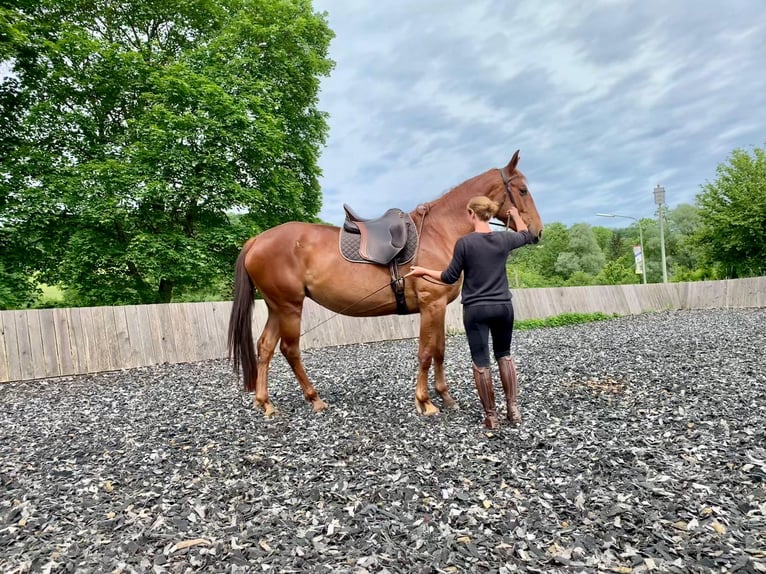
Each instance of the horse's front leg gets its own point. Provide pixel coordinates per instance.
(431, 349)
(440, 381)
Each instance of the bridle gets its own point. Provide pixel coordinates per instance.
(507, 184)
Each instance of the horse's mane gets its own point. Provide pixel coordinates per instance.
(450, 196)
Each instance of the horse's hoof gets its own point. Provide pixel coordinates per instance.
(318, 405)
(491, 422)
(426, 408)
(449, 402)
(269, 411)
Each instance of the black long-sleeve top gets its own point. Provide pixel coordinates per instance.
(481, 258)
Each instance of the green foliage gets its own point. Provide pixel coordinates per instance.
(129, 132)
(603, 237)
(542, 257)
(732, 211)
(583, 242)
(563, 253)
(17, 288)
(579, 279)
(567, 264)
(563, 320)
(620, 271)
(520, 276)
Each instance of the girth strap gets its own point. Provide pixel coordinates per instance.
(397, 286)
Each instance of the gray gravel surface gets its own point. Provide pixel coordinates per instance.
(642, 450)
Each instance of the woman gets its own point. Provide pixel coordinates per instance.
(481, 256)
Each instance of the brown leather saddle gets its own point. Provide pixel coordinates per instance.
(390, 239)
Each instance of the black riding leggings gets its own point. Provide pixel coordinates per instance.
(481, 320)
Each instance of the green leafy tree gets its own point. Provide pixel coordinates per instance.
(732, 213)
(620, 271)
(688, 257)
(129, 132)
(579, 279)
(567, 264)
(541, 258)
(583, 242)
(604, 237)
(17, 289)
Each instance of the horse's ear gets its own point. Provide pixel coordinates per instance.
(514, 162)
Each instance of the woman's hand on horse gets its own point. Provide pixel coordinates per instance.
(417, 271)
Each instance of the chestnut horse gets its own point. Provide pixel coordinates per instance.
(296, 260)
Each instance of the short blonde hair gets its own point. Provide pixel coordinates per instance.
(484, 208)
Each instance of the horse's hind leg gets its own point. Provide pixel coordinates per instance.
(267, 342)
(290, 333)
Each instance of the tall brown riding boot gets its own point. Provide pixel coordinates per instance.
(482, 376)
(507, 368)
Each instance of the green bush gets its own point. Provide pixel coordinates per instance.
(563, 320)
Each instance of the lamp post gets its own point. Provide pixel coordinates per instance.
(640, 236)
(659, 199)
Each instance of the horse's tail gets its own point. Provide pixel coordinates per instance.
(241, 348)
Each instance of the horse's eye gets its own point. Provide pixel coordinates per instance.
(524, 191)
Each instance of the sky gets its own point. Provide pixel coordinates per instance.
(604, 98)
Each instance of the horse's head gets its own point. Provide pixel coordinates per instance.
(513, 191)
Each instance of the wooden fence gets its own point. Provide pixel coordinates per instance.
(47, 343)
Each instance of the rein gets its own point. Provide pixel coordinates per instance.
(355, 303)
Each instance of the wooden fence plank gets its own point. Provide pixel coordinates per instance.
(183, 332)
(63, 342)
(26, 365)
(121, 335)
(202, 333)
(156, 331)
(205, 314)
(93, 329)
(149, 353)
(12, 346)
(5, 362)
(77, 346)
(36, 353)
(134, 348)
(164, 316)
(111, 348)
(49, 343)
(220, 322)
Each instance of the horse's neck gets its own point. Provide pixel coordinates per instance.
(448, 214)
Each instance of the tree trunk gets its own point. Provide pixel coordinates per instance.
(166, 291)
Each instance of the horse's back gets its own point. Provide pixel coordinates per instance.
(287, 255)
(292, 234)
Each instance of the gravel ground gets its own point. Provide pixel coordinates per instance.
(642, 450)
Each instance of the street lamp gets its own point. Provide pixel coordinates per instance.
(640, 236)
(659, 199)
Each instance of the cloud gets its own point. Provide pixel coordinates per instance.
(604, 99)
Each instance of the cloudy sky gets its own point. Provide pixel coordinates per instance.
(604, 98)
